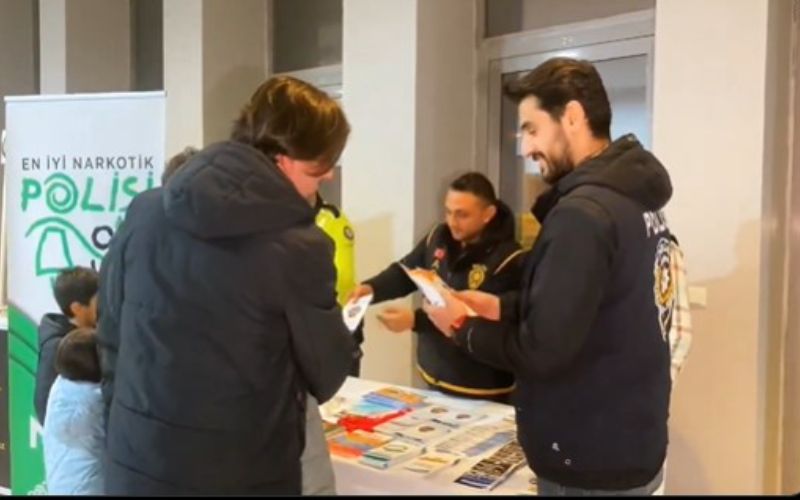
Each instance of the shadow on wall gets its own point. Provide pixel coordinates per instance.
(225, 99)
(387, 356)
(684, 466)
(713, 410)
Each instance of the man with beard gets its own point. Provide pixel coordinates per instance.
(588, 342)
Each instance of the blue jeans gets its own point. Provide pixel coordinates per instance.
(551, 489)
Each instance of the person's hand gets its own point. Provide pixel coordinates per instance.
(397, 319)
(444, 317)
(484, 304)
(360, 291)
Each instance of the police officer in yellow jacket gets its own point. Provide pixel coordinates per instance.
(335, 224)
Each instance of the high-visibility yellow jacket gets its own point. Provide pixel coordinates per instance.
(331, 220)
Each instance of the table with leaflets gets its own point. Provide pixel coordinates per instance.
(389, 439)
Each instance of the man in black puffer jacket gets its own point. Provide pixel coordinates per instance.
(589, 344)
(218, 310)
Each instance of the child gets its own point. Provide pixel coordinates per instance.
(74, 428)
(75, 291)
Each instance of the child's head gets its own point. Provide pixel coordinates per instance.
(75, 290)
(77, 358)
(177, 162)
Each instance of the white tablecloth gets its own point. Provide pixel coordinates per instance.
(353, 478)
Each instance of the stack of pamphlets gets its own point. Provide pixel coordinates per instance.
(395, 398)
(355, 444)
(391, 454)
(477, 440)
(493, 470)
(446, 415)
(423, 433)
(431, 462)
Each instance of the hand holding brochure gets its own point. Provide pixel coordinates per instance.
(429, 283)
(353, 312)
(431, 286)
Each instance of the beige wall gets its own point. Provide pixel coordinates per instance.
(17, 50)
(234, 55)
(214, 58)
(53, 46)
(711, 118)
(18, 76)
(411, 106)
(98, 45)
(147, 39)
(446, 79)
(378, 176)
(183, 73)
(85, 46)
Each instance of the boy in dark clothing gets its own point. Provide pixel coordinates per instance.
(75, 291)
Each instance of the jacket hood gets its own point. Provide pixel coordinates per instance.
(54, 325)
(626, 167)
(231, 189)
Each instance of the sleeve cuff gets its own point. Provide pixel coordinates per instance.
(509, 307)
(463, 336)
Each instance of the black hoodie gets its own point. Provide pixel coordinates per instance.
(217, 313)
(590, 351)
(492, 264)
(52, 329)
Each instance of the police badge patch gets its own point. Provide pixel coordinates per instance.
(476, 276)
(438, 255)
(664, 285)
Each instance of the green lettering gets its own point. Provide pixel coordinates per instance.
(128, 190)
(30, 189)
(114, 192)
(62, 194)
(86, 203)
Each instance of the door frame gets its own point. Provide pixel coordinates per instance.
(789, 440)
(625, 35)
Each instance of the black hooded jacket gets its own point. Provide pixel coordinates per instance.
(590, 348)
(493, 265)
(52, 328)
(217, 314)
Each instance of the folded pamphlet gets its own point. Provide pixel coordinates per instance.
(353, 312)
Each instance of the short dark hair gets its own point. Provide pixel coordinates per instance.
(477, 184)
(176, 162)
(77, 357)
(560, 80)
(291, 117)
(75, 284)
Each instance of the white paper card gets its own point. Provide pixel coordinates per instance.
(354, 311)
